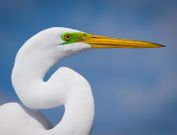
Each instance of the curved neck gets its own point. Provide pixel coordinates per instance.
(27, 79)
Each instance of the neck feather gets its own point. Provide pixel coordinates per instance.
(78, 116)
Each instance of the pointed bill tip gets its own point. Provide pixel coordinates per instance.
(162, 45)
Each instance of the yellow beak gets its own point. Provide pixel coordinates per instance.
(97, 41)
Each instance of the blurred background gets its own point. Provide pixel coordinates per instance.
(135, 90)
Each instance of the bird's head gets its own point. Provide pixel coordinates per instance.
(61, 42)
(45, 48)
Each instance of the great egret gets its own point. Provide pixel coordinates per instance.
(64, 87)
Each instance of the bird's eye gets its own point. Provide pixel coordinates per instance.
(67, 37)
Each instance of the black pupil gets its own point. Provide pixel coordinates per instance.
(67, 36)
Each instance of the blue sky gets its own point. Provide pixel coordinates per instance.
(135, 90)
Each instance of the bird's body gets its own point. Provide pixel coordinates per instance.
(19, 120)
(65, 87)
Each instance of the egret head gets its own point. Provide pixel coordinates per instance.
(61, 42)
(44, 49)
